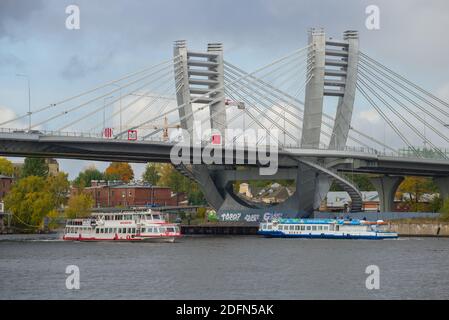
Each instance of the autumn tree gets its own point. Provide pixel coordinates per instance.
(120, 170)
(34, 167)
(79, 206)
(6, 167)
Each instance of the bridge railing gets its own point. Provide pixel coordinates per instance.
(75, 134)
(421, 153)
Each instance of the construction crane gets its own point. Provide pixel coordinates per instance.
(164, 128)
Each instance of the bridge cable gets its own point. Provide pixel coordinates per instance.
(385, 117)
(89, 91)
(102, 107)
(373, 62)
(440, 134)
(399, 115)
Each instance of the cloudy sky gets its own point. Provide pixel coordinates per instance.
(118, 37)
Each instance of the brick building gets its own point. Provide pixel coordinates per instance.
(113, 194)
(5, 185)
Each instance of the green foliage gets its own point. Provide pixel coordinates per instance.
(58, 186)
(201, 213)
(151, 174)
(79, 206)
(34, 167)
(196, 198)
(170, 177)
(6, 167)
(33, 198)
(29, 201)
(85, 177)
(445, 210)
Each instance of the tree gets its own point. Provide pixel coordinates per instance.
(416, 187)
(85, 177)
(445, 210)
(6, 167)
(122, 170)
(79, 206)
(35, 167)
(29, 201)
(58, 186)
(151, 174)
(170, 177)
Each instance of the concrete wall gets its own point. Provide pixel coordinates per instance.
(373, 216)
(420, 229)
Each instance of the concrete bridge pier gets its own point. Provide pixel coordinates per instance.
(443, 185)
(386, 186)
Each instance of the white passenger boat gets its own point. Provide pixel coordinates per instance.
(122, 226)
(326, 229)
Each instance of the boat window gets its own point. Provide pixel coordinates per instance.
(303, 227)
(308, 227)
(170, 230)
(313, 228)
(129, 230)
(143, 230)
(270, 227)
(292, 227)
(110, 230)
(156, 217)
(134, 230)
(320, 227)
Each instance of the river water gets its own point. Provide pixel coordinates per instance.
(228, 267)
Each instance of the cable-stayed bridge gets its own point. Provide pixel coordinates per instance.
(305, 102)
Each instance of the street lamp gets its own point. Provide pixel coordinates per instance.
(104, 110)
(29, 97)
(114, 84)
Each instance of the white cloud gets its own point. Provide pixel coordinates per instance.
(7, 114)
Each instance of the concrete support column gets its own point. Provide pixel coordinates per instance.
(443, 185)
(218, 110)
(345, 105)
(386, 186)
(313, 105)
(182, 78)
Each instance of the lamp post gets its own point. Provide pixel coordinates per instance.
(104, 110)
(29, 97)
(114, 84)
